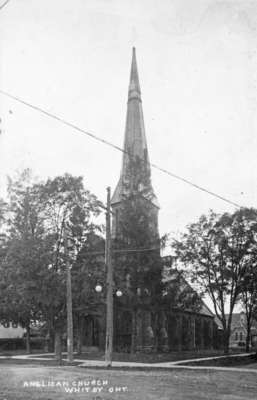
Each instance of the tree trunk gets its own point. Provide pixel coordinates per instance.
(28, 349)
(51, 332)
(51, 341)
(58, 346)
(248, 337)
(226, 336)
(156, 331)
(47, 342)
(133, 332)
(79, 336)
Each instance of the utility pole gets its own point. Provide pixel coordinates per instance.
(68, 300)
(109, 298)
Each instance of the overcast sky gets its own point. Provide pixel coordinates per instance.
(197, 65)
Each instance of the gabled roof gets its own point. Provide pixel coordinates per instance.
(236, 321)
(204, 309)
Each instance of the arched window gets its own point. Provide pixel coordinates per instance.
(241, 336)
(236, 336)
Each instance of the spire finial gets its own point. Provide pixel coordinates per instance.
(134, 87)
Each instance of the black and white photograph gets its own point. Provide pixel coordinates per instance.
(128, 199)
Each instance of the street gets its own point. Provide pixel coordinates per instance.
(50, 383)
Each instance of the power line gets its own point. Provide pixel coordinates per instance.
(4, 4)
(118, 251)
(135, 250)
(99, 139)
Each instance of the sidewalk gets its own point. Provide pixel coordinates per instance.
(146, 366)
(171, 365)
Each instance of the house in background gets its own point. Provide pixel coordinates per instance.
(11, 330)
(239, 330)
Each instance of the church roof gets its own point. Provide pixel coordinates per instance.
(135, 144)
(184, 284)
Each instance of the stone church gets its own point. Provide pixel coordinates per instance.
(179, 329)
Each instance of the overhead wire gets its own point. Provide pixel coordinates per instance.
(117, 251)
(108, 143)
(4, 4)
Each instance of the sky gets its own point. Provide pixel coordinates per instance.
(197, 63)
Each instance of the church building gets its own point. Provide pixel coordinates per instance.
(176, 329)
(146, 316)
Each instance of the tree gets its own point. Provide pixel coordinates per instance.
(2, 212)
(88, 271)
(217, 250)
(67, 206)
(3, 217)
(21, 283)
(20, 268)
(33, 278)
(248, 296)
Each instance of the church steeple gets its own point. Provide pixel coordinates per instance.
(134, 87)
(135, 140)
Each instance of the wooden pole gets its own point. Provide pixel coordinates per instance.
(109, 299)
(68, 302)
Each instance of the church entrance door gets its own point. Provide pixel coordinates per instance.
(90, 331)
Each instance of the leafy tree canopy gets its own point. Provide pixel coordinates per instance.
(217, 250)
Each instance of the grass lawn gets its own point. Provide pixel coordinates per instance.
(15, 381)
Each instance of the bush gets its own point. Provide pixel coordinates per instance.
(12, 344)
(20, 343)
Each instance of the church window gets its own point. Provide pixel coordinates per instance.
(117, 222)
(236, 336)
(241, 336)
(6, 324)
(128, 281)
(145, 154)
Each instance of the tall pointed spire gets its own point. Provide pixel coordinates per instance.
(135, 139)
(134, 87)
